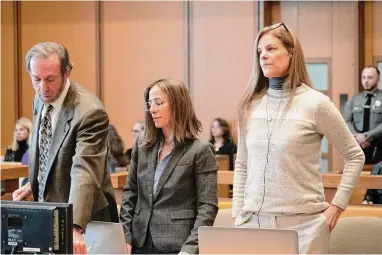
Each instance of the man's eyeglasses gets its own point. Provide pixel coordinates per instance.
(277, 25)
(157, 103)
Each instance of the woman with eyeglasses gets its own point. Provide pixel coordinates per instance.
(171, 189)
(282, 121)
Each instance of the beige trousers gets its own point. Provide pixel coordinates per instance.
(313, 230)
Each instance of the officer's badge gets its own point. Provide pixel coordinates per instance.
(378, 103)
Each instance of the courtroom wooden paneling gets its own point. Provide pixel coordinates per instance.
(319, 43)
(10, 174)
(330, 182)
(351, 210)
(223, 162)
(223, 165)
(222, 49)
(141, 42)
(345, 78)
(335, 37)
(377, 28)
(363, 210)
(8, 79)
(13, 171)
(69, 23)
(118, 180)
(365, 181)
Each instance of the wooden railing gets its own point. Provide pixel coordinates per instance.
(223, 165)
(330, 182)
(10, 174)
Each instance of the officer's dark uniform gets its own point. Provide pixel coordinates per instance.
(363, 114)
(375, 195)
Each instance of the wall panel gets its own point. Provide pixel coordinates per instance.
(222, 52)
(72, 24)
(142, 42)
(8, 79)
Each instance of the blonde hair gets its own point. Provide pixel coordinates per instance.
(258, 84)
(185, 124)
(26, 123)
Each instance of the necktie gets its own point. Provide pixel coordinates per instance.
(45, 140)
(366, 113)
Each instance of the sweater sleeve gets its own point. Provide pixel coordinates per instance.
(240, 175)
(331, 124)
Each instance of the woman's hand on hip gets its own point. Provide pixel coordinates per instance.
(332, 215)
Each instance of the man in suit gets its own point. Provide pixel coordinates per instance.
(363, 115)
(67, 158)
(172, 183)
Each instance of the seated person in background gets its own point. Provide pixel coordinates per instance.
(374, 196)
(137, 130)
(222, 140)
(21, 140)
(171, 188)
(115, 156)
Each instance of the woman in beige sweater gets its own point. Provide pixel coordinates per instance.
(282, 121)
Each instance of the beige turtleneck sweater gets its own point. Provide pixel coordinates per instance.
(277, 166)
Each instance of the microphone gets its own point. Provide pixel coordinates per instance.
(3, 191)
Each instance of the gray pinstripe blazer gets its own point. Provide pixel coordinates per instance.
(76, 168)
(186, 197)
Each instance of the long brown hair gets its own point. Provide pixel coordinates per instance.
(258, 84)
(226, 131)
(185, 124)
(116, 148)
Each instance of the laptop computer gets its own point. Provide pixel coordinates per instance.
(229, 240)
(105, 238)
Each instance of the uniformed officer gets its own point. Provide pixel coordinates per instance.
(363, 115)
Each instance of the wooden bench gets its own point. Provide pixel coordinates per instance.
(367, 168)
(118, 180)
(10, 174)
(351, 210)
(330, 182)
(223, 165)
(366, 181)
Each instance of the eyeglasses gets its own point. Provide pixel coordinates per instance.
(277, 25)
(157, 103)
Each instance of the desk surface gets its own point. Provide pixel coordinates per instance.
(10, 171)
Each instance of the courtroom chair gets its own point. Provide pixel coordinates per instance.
(224, 218)
(357, 235)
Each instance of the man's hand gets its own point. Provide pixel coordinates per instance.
(79, 245)
(332, 214)
(361, 138)
(365, 144)
(22, 193)
(128, 247)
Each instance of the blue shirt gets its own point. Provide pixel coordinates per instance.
(160, 166)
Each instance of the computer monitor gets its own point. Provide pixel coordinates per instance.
(36, 227)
